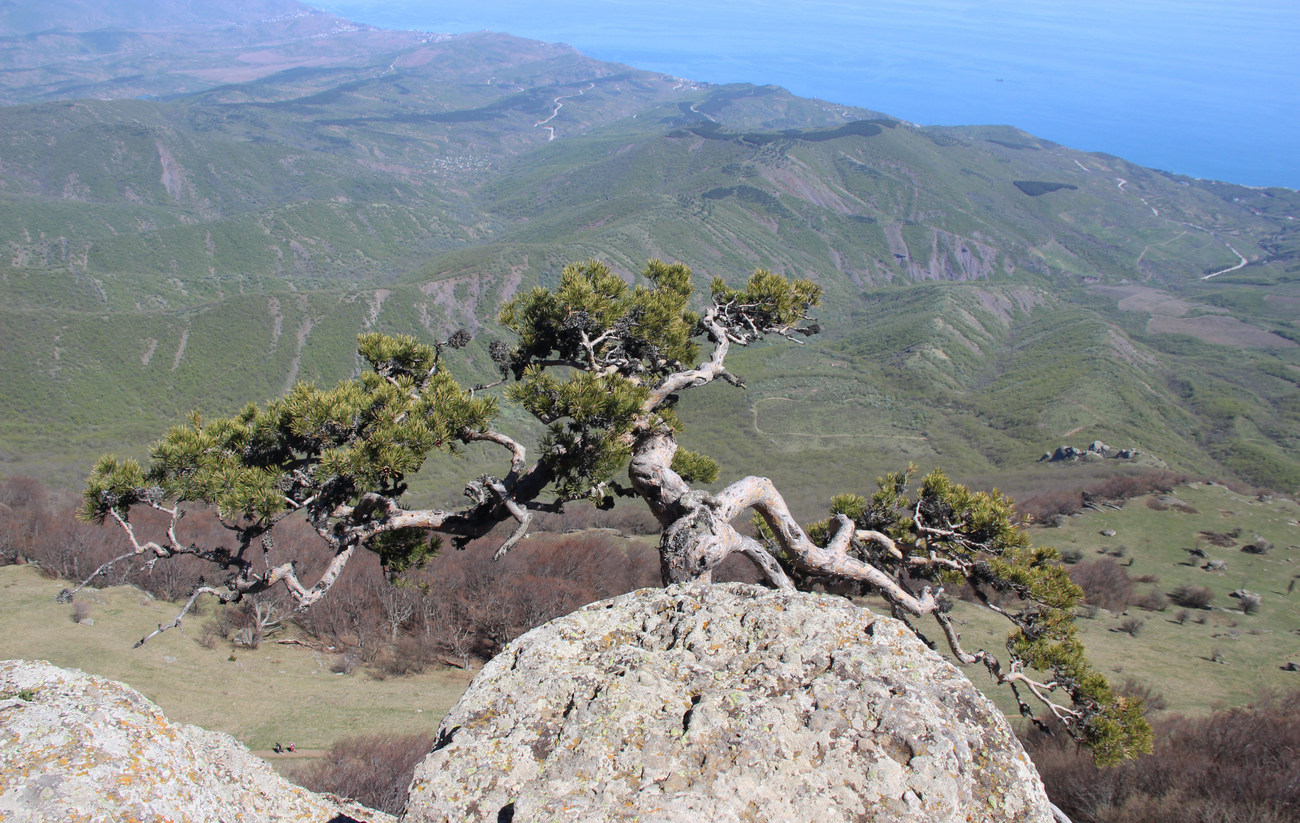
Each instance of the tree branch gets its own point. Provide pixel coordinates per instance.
(702, 375)
(176, 621)
(832, 561)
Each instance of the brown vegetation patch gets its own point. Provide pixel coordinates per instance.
(1169, 316)
(1046, 507)
(1104, 582)
(1236, 766)
(1224, 331)
(374, 770)
(1223, 539)
(1149, 300)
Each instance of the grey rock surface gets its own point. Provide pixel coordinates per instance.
(75, 747)
(724, 703)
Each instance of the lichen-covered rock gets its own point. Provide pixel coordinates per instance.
(724, 703)
(75, 747)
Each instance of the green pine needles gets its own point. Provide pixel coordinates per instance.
(947, 535)
(600, 362)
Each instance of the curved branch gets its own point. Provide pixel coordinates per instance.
(189, 604)
(766, 563)
(833, 560)
(518, 454)
(705, 373)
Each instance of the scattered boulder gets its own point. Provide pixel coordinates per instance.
(78, 747)
(1065, 453)
(1095, 449)
(724, 702)
(1216, 566)
(1243, 594)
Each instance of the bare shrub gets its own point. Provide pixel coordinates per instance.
(462, 606)
(1127, 487)
(344, 663)
(1152, 700)
(1192, 596)
(374, 770)
(1181, 617)
(1163, 503)
(409, 655)
(1104, 583)
(209, 635)
(1251, 604)
(1153, 601)
(1130, 626)
(350, 619)
(80, 611)
(1051, 507)
(628, 519)
(1071, 556)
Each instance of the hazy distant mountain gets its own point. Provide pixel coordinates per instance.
(990, 295)
(90, 49)
(24, 17)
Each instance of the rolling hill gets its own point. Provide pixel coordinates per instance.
(198, 212)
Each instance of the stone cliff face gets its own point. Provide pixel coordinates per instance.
(74, 747)
(724, 703)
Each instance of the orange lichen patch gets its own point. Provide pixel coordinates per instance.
(116, 757)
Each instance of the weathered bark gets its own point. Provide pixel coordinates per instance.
(698, 535)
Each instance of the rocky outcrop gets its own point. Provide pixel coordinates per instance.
(1096, 449)
(78, 747)
(724, 703)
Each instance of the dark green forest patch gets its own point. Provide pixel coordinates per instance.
(1036, 188)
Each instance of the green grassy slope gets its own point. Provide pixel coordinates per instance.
(276, 693)
(281, 693)
(989, 295)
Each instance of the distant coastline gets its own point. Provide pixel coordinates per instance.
(1145, 81)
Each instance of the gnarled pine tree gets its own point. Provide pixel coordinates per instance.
(601, 364)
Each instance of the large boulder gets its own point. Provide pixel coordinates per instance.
(724, 703)
(78, 747)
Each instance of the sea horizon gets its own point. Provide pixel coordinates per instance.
(1192, 87)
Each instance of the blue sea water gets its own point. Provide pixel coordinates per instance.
(1208, 88)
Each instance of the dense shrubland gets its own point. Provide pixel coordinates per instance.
(459, 609)
(1046, 507)
(374, 770)
(1238, 765)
